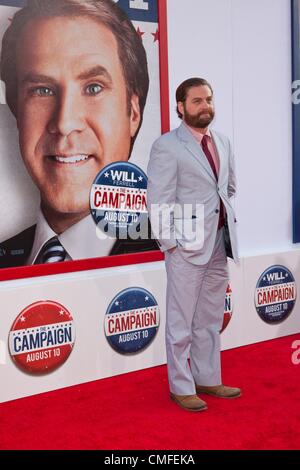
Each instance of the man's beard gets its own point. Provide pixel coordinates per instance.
(197, 121)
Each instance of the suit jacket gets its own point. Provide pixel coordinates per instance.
(180, 177)
(16, 250)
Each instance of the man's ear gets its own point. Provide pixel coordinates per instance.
(180, 107)
(135, 115)
(6, 99)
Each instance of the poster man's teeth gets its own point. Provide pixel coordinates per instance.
(71, 159)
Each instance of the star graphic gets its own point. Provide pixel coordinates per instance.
(141, 178)
(61, 312)
(155, 35)
(117, 303)
(22, 319)
(146, 298)
(140, 33)
(106, 175)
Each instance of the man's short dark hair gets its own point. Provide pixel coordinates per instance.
(184, 87)
(131, 51)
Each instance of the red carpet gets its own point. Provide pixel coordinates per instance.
(133, 411)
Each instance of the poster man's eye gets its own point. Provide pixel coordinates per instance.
(94, 89)
(42, 91)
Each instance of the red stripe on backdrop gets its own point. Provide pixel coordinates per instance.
(79, 265)
(164, 69)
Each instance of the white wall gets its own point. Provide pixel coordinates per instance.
(244, 49)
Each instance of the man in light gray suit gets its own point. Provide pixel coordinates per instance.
(191, 180)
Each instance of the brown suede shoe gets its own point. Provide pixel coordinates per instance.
(189, 402)
(220, 391)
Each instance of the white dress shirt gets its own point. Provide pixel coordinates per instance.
(82, 240)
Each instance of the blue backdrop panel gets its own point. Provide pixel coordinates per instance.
(296, 119)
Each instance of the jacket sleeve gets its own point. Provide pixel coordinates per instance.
(161, 193)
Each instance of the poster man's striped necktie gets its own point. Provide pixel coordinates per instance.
(53, 251)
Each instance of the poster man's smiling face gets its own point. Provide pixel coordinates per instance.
(72, 109)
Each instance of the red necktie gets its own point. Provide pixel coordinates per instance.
(204, 144)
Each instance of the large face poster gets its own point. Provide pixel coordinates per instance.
(80, 91)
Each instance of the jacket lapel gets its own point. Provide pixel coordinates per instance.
(194, 149)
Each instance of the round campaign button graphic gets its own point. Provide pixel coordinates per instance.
(42, 337)
(228, 308)
(275, 294)
(118, 201)
(132, 320)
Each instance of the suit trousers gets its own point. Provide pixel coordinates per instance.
(195, 311)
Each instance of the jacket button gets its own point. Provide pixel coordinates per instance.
(217, 211)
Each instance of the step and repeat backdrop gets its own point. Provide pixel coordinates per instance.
(95, 318)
